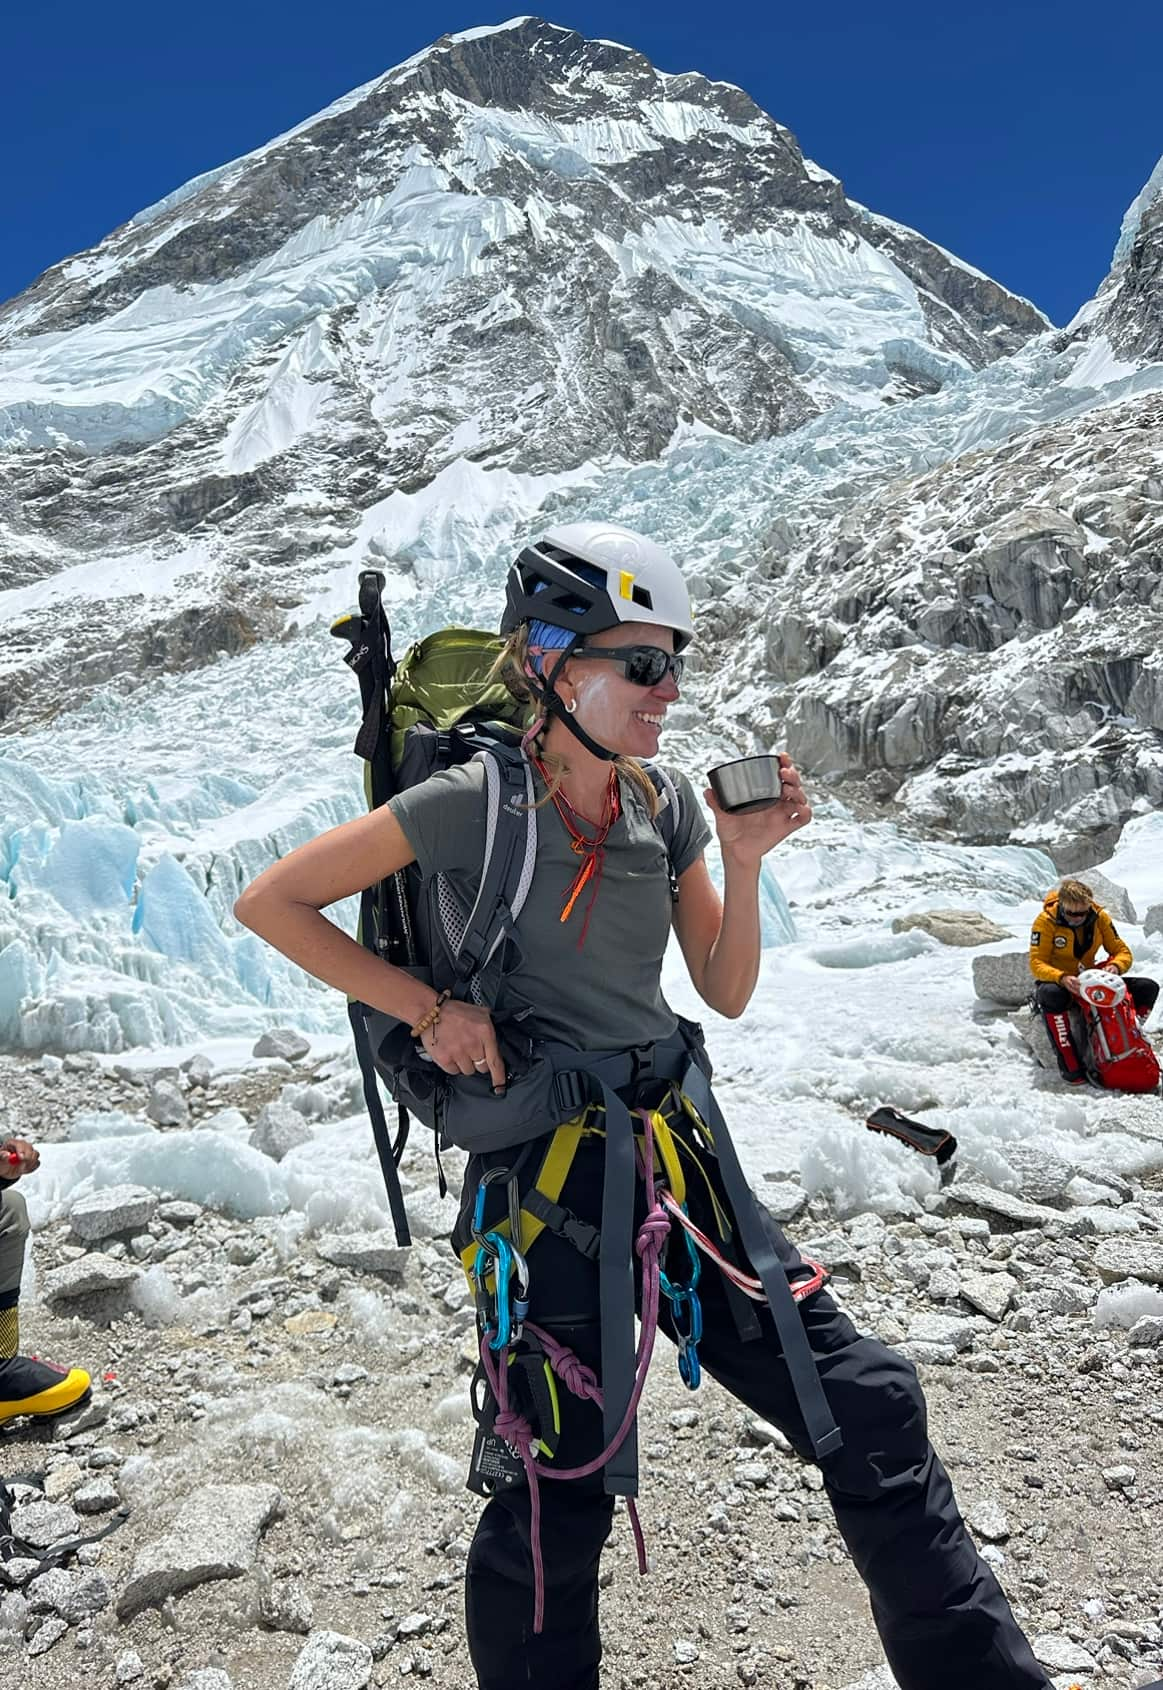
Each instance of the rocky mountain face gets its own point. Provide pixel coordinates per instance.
(1127, 313)
(982, 643)
(979, 643)
(520, 248)
(527, 262)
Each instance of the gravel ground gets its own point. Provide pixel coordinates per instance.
(312, 1416)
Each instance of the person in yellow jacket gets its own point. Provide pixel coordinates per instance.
(1068, 937)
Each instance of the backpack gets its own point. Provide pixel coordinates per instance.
(440, 706)
(1119, 1055)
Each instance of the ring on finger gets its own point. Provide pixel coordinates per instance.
(481, 1062)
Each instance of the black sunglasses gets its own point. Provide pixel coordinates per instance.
(1073, 915)
(645, 665)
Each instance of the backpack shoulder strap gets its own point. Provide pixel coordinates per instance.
(666, 821)
(510, 855)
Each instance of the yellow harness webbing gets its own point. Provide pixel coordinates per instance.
(670, 1151)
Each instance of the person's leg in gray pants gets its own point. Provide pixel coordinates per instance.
(27, 1385)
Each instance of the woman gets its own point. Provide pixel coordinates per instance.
(597, 618)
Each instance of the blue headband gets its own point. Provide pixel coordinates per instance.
(547, 634)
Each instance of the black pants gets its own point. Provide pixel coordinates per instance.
(1055, 1004)
(942, 1617)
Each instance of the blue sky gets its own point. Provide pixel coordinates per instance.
(1015, 134)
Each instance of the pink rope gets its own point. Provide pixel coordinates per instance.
(581, 1380)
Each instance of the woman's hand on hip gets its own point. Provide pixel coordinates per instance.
(749, 838)
(464, 1041)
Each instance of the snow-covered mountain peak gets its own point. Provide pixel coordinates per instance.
(1124, 321)
(1143, 203)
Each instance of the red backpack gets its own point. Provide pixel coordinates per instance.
(1120, 1056)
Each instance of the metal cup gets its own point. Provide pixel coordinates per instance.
(748, 783)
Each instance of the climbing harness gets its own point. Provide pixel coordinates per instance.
(504, 1328)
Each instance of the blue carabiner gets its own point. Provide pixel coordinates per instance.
(687, 1313)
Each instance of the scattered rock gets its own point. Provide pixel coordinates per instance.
(42, 1524)
(990, 1293)
(179, 1213)
(1061, 1654)
(278, 1129)
(967, 1195)
(368, 1252)
(1130, 1258)
(782, 1199)
(309, 1322)
(954, 927)
(215, 1536)
(330, 1661)
(49, 1633)
(97, 1497)
(89, 1274)
(1153, 920)
(1042, 1176)
(113, 1210)
(987, 1520)
(959, 1331)
(199, 1070)
(283, 1042)
(285, 1606)
(166, 1105)
(1119, 1478)
(1147, 1332)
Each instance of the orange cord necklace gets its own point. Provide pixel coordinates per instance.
(593, 850)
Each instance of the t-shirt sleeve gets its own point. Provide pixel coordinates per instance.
(443, 820)
(691, 833)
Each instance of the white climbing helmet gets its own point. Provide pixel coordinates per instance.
(642, 582)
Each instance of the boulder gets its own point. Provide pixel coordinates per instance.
(369, 1252)
(278, 1129)
(283, 1042)
(330, 1661)
(1042, 1176)
(1003, 977)
(166, 1105)
(88, 1275)
(1153, 920)
(215, 1536)
(1002, 1205)
(990, 1293)
(1130, 1258)
(116, 1209)
(954, 927)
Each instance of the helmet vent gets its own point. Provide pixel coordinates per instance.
(641, 596)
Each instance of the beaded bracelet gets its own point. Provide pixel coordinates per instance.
(432, 1017)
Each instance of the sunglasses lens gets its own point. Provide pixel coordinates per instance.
(646, 665)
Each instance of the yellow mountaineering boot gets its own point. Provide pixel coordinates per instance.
(31, 1386)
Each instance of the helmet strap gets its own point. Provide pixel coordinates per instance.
(552, 704)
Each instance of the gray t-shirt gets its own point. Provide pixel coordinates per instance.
(606, 995)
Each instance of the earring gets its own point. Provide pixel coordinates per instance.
(571, 707)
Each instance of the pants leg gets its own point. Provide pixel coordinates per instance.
(13, 1235)
(1055, 1004)
(1143, 993)
(575, 1515)
(943, 1619)
(575, 1521)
